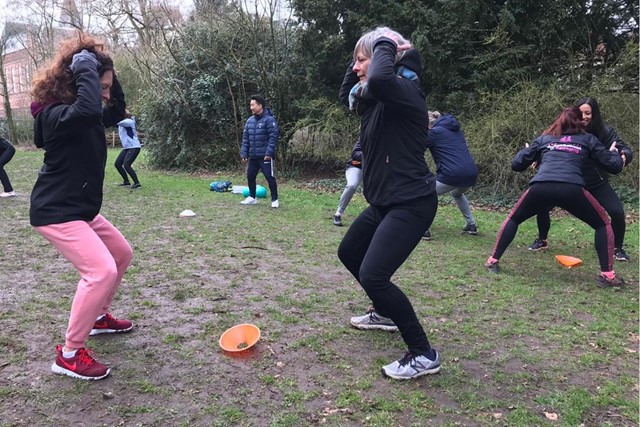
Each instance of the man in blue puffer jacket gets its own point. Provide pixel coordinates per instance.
(259, 141)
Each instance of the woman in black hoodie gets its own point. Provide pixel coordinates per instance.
(65, 202)
(382, 87)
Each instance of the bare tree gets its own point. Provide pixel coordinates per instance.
(4, 92)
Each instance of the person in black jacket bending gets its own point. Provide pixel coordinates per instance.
(561, 152)
(70, 119)
(6, 154)
(596, 180)
(383, 88)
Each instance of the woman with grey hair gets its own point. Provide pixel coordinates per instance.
(456, 170)
(382, 86)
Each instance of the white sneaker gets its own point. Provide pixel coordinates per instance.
(249, 201)
(8, 194)
(412, 366)
(275, 204)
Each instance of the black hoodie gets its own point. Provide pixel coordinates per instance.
(69, 185)
(393, 129)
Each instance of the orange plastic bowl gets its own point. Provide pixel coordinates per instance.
(240, 337)
(568, 261)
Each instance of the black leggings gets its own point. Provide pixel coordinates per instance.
(5, 156)
(268, 170)
(124, 161)
(607, 197)
(542, 197)
(375, 246)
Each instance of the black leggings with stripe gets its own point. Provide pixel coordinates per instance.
(542, 197)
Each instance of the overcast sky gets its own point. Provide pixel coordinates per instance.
(3, 8)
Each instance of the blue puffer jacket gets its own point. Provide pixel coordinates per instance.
(260, 136)
(454, 164)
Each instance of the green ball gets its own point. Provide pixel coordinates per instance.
(261, 192)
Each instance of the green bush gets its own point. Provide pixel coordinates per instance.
(324, 139)
(505, 122)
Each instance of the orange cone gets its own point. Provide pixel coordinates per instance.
(568, 261)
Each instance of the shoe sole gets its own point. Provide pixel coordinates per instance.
(419, 374)
(249, 203)
(372, 327)
(538, 249)
(622, 259)
(59, 370)
(426, 238)
(337, 225)
(95, 332)
(606, 285)
(471, 233)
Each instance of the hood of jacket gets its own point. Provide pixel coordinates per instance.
(411, 59)
(449, 122)
(266, 112)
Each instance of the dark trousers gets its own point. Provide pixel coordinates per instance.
(542, 197)
(268, 170)
(375, 246)
(123, 164)
(607, 197)
(5, 157)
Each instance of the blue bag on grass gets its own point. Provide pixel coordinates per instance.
(220, 186)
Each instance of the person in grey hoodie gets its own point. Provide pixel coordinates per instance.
(130, 150)
(456, 170)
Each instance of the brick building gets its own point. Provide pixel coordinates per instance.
(18, 67)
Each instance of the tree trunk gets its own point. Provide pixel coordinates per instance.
(4, 92)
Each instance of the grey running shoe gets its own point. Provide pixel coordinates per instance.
(538, 245)
(337, 220)
(373, 320)
(603, 282)
(493, 267)
(620, 255)
(427, 235)
(470, 229)
(412, 366)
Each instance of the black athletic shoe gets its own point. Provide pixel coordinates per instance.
(492, 267)
(538, 245)
(136, 185)
(603, 282)
(620, 255)
(427, 235)
(125, 184)
(337, 220)
(470, 229)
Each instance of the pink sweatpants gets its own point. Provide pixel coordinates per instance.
(101, 255)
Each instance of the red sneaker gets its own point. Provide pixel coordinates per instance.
(82, 366)
(110, 325)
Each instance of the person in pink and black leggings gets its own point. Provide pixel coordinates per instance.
(74, 98)
(561, 153)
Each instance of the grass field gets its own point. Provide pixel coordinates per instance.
(537, 345)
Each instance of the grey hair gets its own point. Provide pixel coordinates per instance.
(364, 46)
(433, 116)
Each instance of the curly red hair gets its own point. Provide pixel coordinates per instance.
(54, 82)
